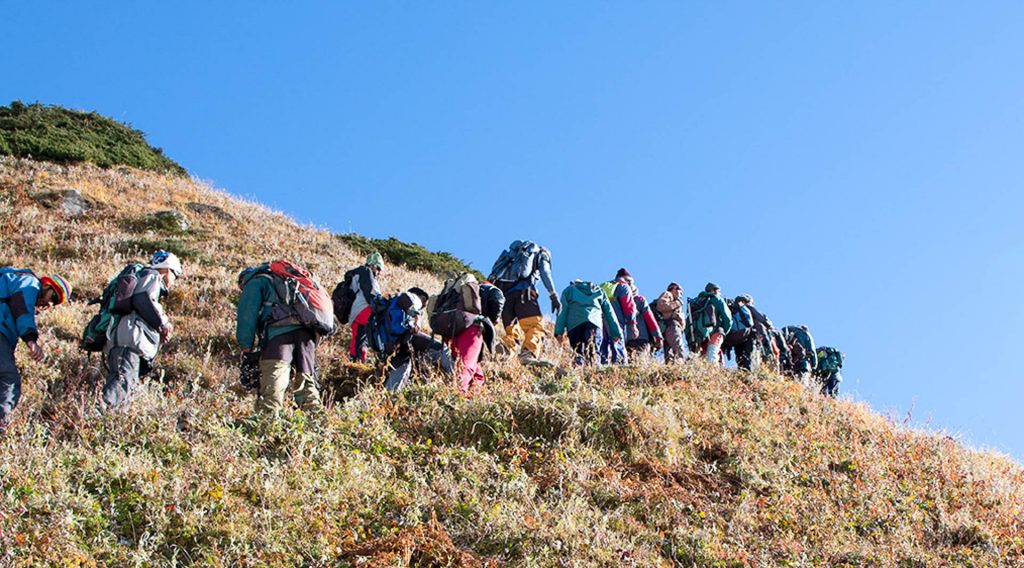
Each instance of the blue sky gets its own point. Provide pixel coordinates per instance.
(853, 166)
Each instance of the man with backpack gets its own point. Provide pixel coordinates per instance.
(742, 336)
(585, 307)
(830, 362)
(620, 295)
(353, 299)
(708, 322)
(22, 294)
(802, 357)
(516, 273)
(396, 336)
(140, 328)
(282, 314)
(669, 307)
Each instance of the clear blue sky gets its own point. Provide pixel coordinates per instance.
(854, 166)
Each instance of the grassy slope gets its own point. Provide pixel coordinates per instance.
(645, 466)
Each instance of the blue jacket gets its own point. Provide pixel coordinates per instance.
(584, 302)
(19, 289)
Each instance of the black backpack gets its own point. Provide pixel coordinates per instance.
(343, 297)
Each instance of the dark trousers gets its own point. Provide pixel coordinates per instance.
(584, 340)
(830, 384)
(745, 355)
(10, 381)
(297, 347)
(520, 304)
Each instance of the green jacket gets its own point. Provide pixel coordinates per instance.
(723, 318)
(585, 302)
(254, 307)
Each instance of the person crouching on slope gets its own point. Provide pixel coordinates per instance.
(584, 307)
(412, 346)
(22, 294)
(282, 346)
(134, 342)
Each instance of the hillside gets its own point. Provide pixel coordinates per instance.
(635, 466)
(57, 134)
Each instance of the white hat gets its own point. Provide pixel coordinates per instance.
(168, 260)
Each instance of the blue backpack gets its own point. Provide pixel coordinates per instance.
(389, 324)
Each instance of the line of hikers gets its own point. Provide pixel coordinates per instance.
(283, 313)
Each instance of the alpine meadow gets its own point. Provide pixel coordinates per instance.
(645, 464)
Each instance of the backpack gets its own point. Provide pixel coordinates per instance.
(519, 262)
(343, 297)
(830, 360)
(303, 301)
(114, 302)
(609, 289)
(453, 310)
(702, 313)
(389, 323)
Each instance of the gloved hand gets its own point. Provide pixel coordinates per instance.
(555, 304)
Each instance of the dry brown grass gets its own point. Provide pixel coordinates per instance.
(637, 466)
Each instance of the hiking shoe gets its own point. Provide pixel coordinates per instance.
(527, 358)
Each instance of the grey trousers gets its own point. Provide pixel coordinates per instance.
(10, 381)
(674, 341)
(124, 365)
(421, 347)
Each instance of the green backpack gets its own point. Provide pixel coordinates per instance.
(609, 289)
(114, 303)
(830, 360)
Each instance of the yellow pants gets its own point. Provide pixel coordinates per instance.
(274, 379)
(529, 331)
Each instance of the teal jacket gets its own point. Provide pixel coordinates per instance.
(254, 307)
(584, 302)
(723, 318)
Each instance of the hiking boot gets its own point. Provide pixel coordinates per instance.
(526, 358)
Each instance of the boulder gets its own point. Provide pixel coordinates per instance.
(207, 209)
(69, 201)
(171, 220)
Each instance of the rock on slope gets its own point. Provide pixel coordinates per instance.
(637, 466)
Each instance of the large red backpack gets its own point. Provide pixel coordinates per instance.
(303, 301)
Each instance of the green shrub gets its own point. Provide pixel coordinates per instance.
(56, 134)
(412, 255)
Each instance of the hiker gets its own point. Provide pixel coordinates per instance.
(779, 350)
(742, 336)
(766, 350)
(516, 273)
(669, 306)
(134, 340)
(802, 358)
(829, 363)
(708, 322)
(22, 294)
(353, 299)
(404, 345)
(585, 307)
(648, 331)
(269, 324)
(620, 295)
(456, 315)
